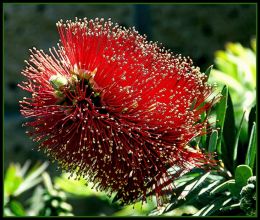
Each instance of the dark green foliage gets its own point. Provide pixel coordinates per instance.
(231, 190)
(45, 201)
(248, 197)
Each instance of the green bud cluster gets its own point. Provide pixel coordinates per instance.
(55, 204)
(60, 84)
(248, 197)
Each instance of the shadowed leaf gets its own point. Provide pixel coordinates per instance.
(213, 141)
(229, 130)
(221, 113)
(251, 119)
(236, 142)
(17, 208)
(251, 151)
(207, 72)
(222, 187)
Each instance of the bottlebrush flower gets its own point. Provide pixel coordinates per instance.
(116, 109)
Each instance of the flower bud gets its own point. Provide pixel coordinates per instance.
(58, 81)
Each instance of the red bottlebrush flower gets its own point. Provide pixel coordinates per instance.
(116, 109)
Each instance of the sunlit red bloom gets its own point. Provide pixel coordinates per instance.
(116, 109)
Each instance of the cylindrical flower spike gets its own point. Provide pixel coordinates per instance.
(116, 109)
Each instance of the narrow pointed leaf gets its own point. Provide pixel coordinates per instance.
(116, 198)
(201, 180)
(236, 142)
(229, 130)
(31, 180)
(203, 138)
(37, 172)
(47, 181)
(25, 186)
(228, 135)
(192, 190)
(208, 188)
(180, 191)
(25, 168)
(221, 113)
(214, 206)
(187, 178)
(231, 82)
(207, 72)
(36, 202)
(251, 151)
(222, 187)
(231, 207)
(213, 141)
(251, 119)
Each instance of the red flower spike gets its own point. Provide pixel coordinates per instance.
(116, 109)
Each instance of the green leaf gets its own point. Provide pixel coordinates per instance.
(213, 141)
(31, 179)
(221, 113)
(225, 63)
(251, 150)
(6, 199)
(195, 183)
(185, 210)
(76, 187)
(222, 187)
(216, 177)
(66, 206)
(187, 178)
(17, 208)
(230, 81)
(189, 191)
(189, 181)
(36, 172)
(196, 193)
(207, 72)
(251, 119)
(8, 212)
(200, 180)
(229, 130)
(208, 188)
(231, 207)
(36, 201)
(25, 168)
(234, 189)
(24, 186)
(139, 209)
(214, 206)
(236, 142)
(116, 198)
(243, 172)
(12, 180)
(47, 181)
(203, 138)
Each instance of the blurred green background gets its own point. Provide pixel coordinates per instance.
(195, 30)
